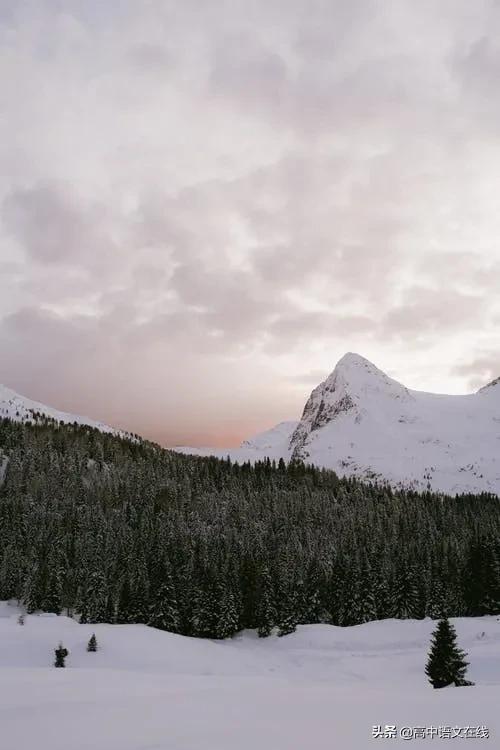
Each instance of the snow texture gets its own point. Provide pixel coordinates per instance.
(322, 687)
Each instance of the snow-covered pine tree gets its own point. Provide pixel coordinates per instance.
(140, 592)
(266, 610)
(123, 614)
(289, 618)
(204, 615)
(164, 613)
(405, 591)
(31, 592)
(227, 620)
(92, 644)
(446, 664)
(53, 598)
(436, 607)
(97, 597)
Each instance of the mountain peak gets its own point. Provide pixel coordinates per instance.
(359, 376)
(353, 365)
(354, 387)
(351, 359)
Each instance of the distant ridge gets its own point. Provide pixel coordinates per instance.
(21, 409)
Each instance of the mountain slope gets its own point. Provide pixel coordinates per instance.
(360, 422)
(22, 409)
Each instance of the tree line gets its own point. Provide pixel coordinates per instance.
(111, 529)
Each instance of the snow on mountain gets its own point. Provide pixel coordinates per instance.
(321, 687)
(360, 422)
(22, 409)
(277, 439)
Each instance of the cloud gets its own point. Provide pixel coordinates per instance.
(481, 370)
(309, 378)
(51, 227)
(245, 69)
(427, 312)
(201, 203)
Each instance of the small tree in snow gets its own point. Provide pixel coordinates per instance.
(446, 664)
(92, 644)
(21, 620)
(61, 654)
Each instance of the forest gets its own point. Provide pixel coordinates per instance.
(116, 529)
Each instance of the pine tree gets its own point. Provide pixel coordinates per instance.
(266, 611)
(97, 597)
(289, 618)
(53, 598)
(31, 594)
(164, 611)
(446, 664)
(61, 654)
(405, 592)
(203, 612)
(436, 608)
(227, 620)
(92, 644)
(123, 614)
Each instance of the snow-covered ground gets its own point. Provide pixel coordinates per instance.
(321, 687)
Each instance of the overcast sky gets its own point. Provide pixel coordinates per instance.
(204, 205)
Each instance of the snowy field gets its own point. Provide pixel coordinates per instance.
(322, 687)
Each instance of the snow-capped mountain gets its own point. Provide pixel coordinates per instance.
(22, 409)
(360, 422)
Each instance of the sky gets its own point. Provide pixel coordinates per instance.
(203, 206)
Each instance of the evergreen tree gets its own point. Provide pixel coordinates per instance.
(97, 599)
(446, 664)
(61, 654)
(31, 595)
(123, 614)
(92, 644)
(53, 599)
(289, 615)
(227, 620)
(204, 614)
(164, 611)
(266, 610)
(436, 607)
(405, 592)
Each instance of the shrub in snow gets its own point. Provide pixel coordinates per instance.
(61, 654)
